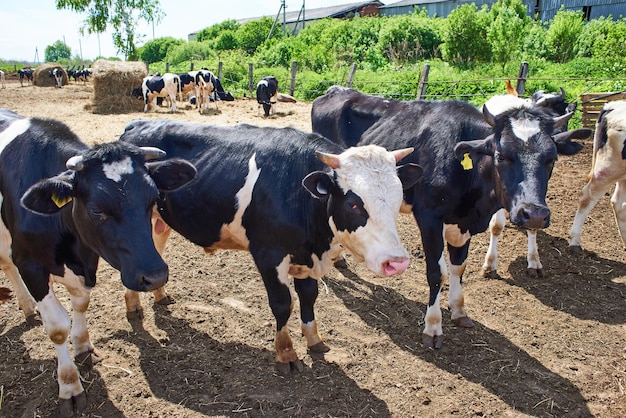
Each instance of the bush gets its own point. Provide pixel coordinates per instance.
(563, 33)
(406, 39)
(465, 36)
(156, 50)
(190, 51)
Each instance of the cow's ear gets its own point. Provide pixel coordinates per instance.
(409, 174)
(477, 146)
(564, 143)
(319, 184)
(172, 174)
(48, 196)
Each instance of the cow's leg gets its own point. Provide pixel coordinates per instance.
(56, 323)
(432, 240)
(458, 247)
(24, 299)
(172, 99)
(275, 273)
(307, 293)
(618, 201)
(496, 226)
(535, 268)
(592, 192)
(160, 234)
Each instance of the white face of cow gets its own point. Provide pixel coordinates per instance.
(364, 213)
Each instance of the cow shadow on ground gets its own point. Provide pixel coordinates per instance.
(580, 284)
(480, 354)
(29, 385)
(188, 367)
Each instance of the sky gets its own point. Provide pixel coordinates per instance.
(28, 27)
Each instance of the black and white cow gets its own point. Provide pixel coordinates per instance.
(221, 93)
(267, 93)
(554, 104)
(64, 205)
(57, 74)
(474, 164)
(608, 168)
(187, 84)
(206, 82)
(154, 86)
(249, 195)
(25, 74)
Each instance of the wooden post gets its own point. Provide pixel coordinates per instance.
(294, 69)
(521, 78)
(423, 82)
(191, 67)
(220, 67)
(167, 67)
(351, 75)
(250, 78)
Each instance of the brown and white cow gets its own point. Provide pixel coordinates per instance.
(608, 167)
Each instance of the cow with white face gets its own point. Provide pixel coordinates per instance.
(608, 168)
(57, 74)
(293, 200)
(63, 206)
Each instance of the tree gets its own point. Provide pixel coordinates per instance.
(156, 50)
(57, 51)
(121, 15)
(465, 35)
(507, 29)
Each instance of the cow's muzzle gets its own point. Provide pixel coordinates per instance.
(532, 216)
(396, 265)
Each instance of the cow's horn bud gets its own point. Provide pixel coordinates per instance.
(153, 153)
(75, 163)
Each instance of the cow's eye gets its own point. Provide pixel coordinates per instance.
(98, 215)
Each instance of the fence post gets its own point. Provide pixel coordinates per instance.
(191, 67)
(167, 67)
(423, 82)
(250, 78)
(521, 78)
(294, 69)
(220, 66)
(351, 75)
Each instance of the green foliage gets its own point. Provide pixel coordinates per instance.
(465, 36)
(190, 51)
(534, 43)
(593, 31)
(406, 39)
(252, 34)
(507, 29)
(156, 50)
(57, 51)
(563, 33)
(611, 47)
(122, 16)
(214, 31)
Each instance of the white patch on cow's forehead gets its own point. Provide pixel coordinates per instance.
(525, 129)
(117, 169)
(14, 130)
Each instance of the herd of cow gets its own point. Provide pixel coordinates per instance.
(294, 200)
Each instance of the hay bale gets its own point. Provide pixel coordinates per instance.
(113, 85)
(42, 78)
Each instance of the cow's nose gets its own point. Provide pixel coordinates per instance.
(395, 265)
(534, 217)
(154, 279)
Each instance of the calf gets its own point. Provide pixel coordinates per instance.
(553, 104)
(267, 93)
(25, 74)
(64, 205)
(57, 74)
(154, 86)
(474, 164)
(206, 81)
(608, 167)
(249, 195)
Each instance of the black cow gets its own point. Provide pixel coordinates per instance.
(474, 164)
(64, 205)
(223, 95)
(267, 93)
(249, 195)
(25, 74)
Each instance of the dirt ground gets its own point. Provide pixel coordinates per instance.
(548, 347)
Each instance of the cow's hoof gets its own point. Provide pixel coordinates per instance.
(435, 342)
(535, 273)
(285, 369)
(134, 315)
(341, 264)
(167, 300)
(463, 322)
(76, 403)
(87, 359)
(488, 273)
(33, 320)
(575, 249)
(319, 348)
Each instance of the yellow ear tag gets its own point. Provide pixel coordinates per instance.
(59, 201)
(467, 162)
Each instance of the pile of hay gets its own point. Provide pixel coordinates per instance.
(113, 85)
(42, 78)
